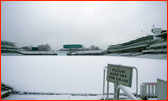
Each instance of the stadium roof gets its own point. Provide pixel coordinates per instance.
(149, 37)
(6, 42)
(164, 34)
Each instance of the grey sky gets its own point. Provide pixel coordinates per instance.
(79, 22)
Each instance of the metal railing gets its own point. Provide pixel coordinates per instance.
(127, 92)
(148, 90)
(104, 80)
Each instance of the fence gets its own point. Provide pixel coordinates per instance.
(148, 90)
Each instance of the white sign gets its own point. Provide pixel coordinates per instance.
(120, 74)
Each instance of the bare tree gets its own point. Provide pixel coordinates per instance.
(48, 48)
(93, 47)
(44, 47)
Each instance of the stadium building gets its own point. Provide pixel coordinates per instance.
(8, 47)
(151, 44)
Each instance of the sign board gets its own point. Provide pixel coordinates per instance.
(120, 74)
(72, 46)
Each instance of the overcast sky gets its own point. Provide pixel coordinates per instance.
(79, 22)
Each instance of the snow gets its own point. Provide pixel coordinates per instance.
(73, 74)
(57, 97)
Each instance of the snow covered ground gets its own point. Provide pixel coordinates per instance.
(58, 97)
(73, 74)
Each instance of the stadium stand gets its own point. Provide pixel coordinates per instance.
(155, 45)
(8, 47)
